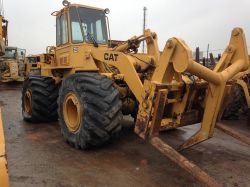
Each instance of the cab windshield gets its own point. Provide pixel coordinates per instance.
(88, 25)
(32, 59)
(10, 53)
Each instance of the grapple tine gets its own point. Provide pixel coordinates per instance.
(231, 132)
(184, 163)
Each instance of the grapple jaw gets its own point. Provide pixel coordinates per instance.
(169, 79)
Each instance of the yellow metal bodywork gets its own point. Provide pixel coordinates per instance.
(4, 178)
(3, 34)
(40, 64)
(34, 63)
(171, 89)
(31, 63)
(12, 73)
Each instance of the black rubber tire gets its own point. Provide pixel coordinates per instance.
(135, 111)
(101, 105)
(44, 99)
(236, 105)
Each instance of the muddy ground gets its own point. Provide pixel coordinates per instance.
(37, 155)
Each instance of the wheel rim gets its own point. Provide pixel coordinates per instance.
(72, 112)
(28, 102)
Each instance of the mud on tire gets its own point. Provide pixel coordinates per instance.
(100, 110)
(43, 94)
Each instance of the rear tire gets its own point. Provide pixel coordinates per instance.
(89, 110)
(237, 105)
(39, 99)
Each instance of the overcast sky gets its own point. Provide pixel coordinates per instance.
(197, 22)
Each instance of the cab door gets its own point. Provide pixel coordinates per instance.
(62, 40)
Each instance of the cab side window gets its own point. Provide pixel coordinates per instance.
(62, 36)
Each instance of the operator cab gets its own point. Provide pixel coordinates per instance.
(10, 53)
(78, 24)
(14, 53)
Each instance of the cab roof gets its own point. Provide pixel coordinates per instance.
(85, 6)
(9, 47)
(77, 6)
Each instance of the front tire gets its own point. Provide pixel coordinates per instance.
(89, 110)
(39, 99)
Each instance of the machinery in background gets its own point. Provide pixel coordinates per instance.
(11, 58)
(12, 65)
(34, 63)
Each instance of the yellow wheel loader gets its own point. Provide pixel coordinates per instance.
(30, 62)
(12, 65)
(34, 63)
(3, 34)
(92, 82)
